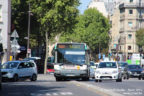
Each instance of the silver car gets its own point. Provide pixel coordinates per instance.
(19, 69)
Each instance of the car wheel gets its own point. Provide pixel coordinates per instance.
(15, 78)
(34, 77)
(96, 80)
(100, 80)
(139, 77)
(119, 80)
(143, 78)
(124, 77)
(127, 77)
(58, 79)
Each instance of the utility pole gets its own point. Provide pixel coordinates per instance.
(28, 39)
(140, 14)
(8, 30)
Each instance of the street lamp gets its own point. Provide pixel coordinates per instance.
(9, 29)
(28, 39)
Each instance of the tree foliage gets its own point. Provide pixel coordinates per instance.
(92, 28)
(140, 37)
(55, 17)
(20, 10)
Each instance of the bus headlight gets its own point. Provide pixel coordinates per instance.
(84, 67)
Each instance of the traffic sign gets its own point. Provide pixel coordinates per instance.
(15, 34)
(14, 42)
(28, 50)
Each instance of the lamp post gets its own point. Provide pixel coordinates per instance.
(28, 39)
(9, 29)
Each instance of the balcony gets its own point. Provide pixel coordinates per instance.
(131, 5)
(121, 30)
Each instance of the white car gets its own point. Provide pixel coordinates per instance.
(108, 70)
(19, 69)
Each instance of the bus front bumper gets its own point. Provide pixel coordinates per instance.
(71, 73)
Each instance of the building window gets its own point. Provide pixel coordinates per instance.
(130, 24)
(129, 36)
(129, 47)
(130, 11)
(131, 1)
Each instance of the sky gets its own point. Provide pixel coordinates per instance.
(83, 6)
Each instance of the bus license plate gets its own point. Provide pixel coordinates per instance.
(70, 67)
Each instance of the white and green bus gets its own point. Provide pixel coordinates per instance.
(71, 61)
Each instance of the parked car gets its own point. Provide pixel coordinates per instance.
(122, 66)
(50, 65)
(133, 71)
(108, 70)
(142, 75)
(19, 69)
(38, 62)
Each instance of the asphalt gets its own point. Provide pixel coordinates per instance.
(44, 86)
(47, 86)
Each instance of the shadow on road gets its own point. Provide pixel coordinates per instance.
(26, 88)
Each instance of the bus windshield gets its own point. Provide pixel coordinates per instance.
(71, 56)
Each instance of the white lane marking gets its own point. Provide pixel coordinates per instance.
(52, 94)
(47, 94)
(66, 93)
(69, 93)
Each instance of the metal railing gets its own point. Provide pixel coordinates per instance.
(123, 5)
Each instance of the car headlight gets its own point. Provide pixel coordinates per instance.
(129, 72)
(57, 67)
(97, 72)
(115, 72)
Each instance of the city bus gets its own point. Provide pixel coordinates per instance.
(71, 61)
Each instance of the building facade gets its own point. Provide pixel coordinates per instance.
(131, 20)
(4, 26)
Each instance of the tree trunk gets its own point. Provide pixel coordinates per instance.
(46, 54)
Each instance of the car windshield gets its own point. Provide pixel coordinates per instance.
(134, 67)
(122, 64)
(107, 65)
(9, 65)
(71, 56)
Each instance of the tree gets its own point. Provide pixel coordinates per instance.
(92, 28)
(20, 22)
(140, 37)
(55, 17)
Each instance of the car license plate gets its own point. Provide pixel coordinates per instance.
(70, 75)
